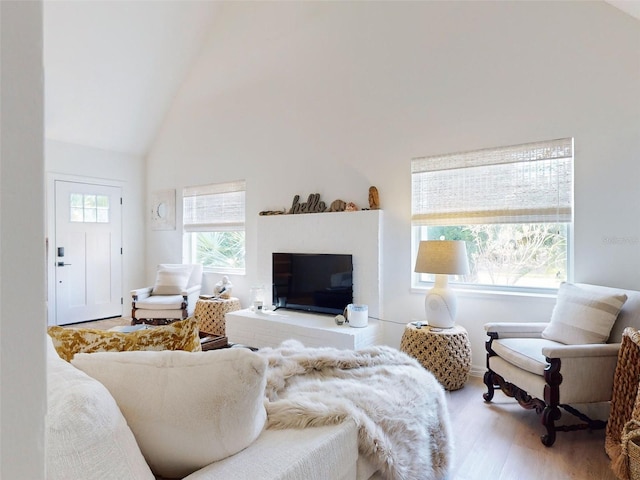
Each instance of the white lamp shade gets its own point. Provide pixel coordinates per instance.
(443, 258)
(447, 257)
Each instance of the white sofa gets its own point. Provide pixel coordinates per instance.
(87, 437)
(329, 452)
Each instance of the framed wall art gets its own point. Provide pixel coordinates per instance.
(163, 210)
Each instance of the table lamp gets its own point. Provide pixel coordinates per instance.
(443, 258)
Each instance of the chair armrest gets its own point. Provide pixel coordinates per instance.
(578, 351)
(515, 329)
(191, 290)
(141, 293)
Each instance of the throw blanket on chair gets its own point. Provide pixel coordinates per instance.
(399, 407)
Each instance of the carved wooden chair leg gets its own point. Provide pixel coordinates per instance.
(551, 412)
(488, 381)
(549, 416)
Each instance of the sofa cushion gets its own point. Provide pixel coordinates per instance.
(182, 335)
(161, 302)
(186, 410)
(171, 279)
(312, 453)
(583, 316)
(86, 434)
(525, 353)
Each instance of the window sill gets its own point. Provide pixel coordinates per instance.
(224, 271)
(469, 292)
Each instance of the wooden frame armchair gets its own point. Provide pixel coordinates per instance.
(548, 375)
(173, 297)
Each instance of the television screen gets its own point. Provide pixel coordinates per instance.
(313, 282)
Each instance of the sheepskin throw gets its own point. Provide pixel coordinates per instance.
(399, 407)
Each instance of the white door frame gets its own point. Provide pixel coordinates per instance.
(51, 230)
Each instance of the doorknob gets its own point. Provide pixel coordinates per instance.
(62, 264)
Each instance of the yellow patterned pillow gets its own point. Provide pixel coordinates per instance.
(182, 335)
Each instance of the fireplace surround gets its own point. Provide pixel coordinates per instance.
(356, 233)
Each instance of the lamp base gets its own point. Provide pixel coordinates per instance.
(440, 304)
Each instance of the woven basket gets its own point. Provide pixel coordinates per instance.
(633, 450)
(625, 401)
(626, 465)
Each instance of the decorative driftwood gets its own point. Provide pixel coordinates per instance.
(338, 206)
(312, 205)
(315, 205)
(374, 199)
(273, 212)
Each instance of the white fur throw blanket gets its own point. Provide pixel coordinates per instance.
(399, 407)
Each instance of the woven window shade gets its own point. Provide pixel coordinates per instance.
(214, 208)
(528, 183)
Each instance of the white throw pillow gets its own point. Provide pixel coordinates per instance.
(186, 410)
(171, 279)
(86, 434)
(583, 316)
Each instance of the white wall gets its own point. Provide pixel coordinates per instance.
(75, 162)
(355, 233)
(331, 97)
(22, 288)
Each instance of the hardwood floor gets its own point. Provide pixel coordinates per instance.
(501, 441)
(105, 324)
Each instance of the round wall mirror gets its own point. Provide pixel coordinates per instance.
(161, 210)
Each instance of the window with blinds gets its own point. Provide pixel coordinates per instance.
(512, 205)
(214, 226)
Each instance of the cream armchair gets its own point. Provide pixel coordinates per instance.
(173, 297)
(566, 362)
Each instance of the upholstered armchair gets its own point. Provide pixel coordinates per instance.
(173, 297)
(566, 362)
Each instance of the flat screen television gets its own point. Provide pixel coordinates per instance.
(312, 282)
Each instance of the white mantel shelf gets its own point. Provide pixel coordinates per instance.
(271, 328)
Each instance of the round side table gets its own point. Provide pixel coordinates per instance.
(445, 352)
(210, 314)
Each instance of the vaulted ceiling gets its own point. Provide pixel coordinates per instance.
(632, 7)
(113, 67)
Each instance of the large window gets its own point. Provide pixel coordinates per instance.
(213, 221)
(511, 205)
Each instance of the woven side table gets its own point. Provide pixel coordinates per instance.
(445, 352)
(210, 314)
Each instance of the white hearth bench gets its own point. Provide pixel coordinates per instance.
(271, 328)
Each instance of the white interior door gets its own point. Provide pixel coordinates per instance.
(87, 252)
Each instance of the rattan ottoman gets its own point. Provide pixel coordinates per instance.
(210, 314)
(445, 352)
